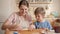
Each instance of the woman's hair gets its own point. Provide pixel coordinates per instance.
(23, 2)
(39, 10)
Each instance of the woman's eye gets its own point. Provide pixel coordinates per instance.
(21, 9)
(25, 9)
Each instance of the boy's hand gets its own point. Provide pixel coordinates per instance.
(31, 27)
(43, 30)
(46, 29)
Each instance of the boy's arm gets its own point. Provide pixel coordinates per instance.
(49, 26)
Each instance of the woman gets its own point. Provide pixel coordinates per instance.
(19, 20)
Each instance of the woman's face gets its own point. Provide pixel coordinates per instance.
(23, 9)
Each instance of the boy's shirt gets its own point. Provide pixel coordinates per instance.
(44, 24)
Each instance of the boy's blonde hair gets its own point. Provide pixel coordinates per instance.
(39, 10)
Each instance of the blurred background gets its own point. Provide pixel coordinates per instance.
(9, 6)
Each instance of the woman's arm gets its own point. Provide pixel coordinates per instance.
(8, 22)
(8, 25)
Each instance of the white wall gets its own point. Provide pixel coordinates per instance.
(6, 8)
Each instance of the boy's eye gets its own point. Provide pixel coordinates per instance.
(37, 16)
(25, 9)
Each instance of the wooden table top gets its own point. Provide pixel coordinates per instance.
(35, 31)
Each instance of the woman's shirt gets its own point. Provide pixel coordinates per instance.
(44, 24)
(21, 22)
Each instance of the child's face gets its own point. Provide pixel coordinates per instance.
(39, 17)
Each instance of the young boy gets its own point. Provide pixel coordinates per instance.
(40, 22)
